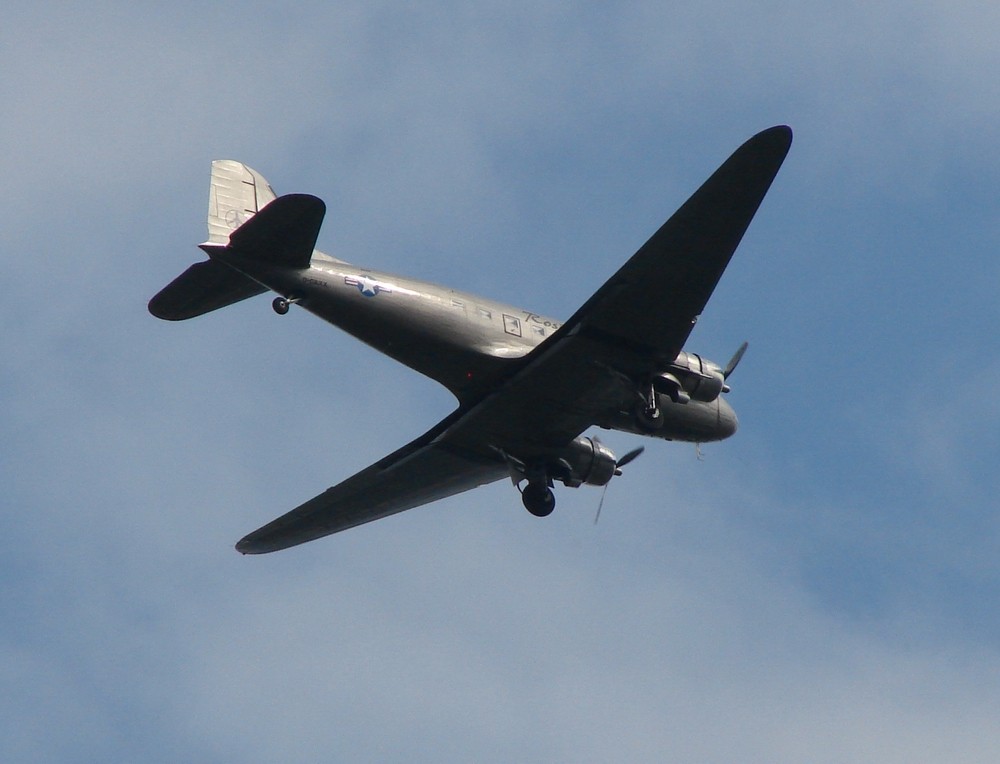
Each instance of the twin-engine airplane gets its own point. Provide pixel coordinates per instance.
(527, 385)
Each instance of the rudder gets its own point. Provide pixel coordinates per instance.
(236, 194)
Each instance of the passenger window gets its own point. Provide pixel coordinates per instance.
(512, 325)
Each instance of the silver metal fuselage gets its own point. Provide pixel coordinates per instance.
(463, 341)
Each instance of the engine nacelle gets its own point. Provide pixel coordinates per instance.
(587, 460)
(691, 376)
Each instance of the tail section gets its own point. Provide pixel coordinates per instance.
(247, 224)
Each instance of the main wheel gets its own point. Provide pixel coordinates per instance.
(538, 499)
(280, 305)
(648, 420)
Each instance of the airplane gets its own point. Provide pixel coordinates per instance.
(527, 385)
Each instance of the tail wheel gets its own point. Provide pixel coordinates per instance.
(280, 305)
(538, 499)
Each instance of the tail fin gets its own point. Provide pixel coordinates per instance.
(237, 193)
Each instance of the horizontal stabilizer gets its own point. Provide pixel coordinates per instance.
(202, 288)
(282, 233)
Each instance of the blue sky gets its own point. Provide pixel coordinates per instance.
(822, 587)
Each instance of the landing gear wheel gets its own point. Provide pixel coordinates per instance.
(280, 305)
(538, 499)
(648, 419)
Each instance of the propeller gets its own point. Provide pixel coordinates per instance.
(628, 458)
(735, 360)
(631, 455)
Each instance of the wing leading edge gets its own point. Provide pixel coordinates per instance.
(653, 301)
(634, 324)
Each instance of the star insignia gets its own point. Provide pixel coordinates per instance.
(369, 287)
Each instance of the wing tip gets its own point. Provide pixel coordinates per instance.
(779, 135)
(246, 545)
(261, 542)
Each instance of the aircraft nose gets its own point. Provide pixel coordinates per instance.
(728, 423)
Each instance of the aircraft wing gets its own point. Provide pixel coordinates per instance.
(635, 324)
(421, 472)
(651, 304)
(462, 452)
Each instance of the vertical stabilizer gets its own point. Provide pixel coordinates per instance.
(236, 194)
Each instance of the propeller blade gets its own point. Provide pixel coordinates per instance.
(618, 471)
(630, 456)
(601, 504)
(735, 360)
